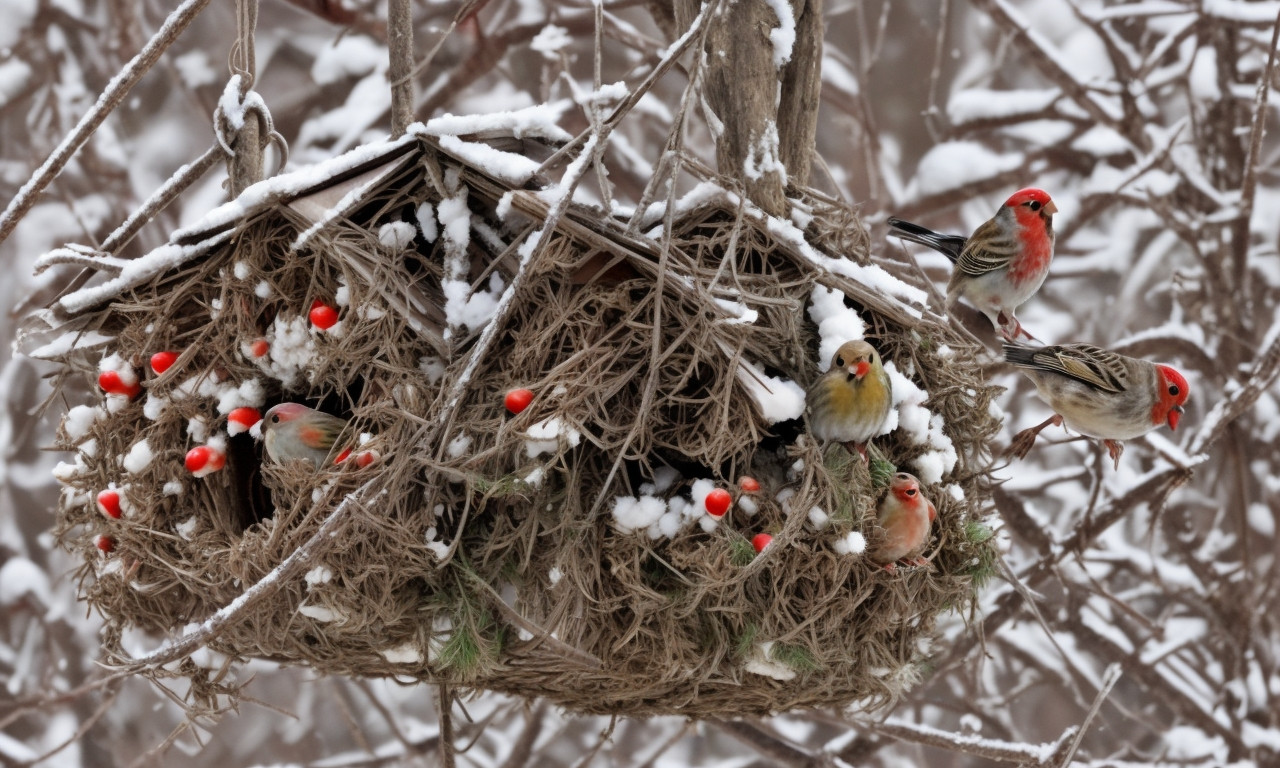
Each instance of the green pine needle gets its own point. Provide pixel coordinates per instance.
(840, 465)
(797, 657)
(980, 535)
(741, 553)
(882, 471)
(746, 641)
(463, 651)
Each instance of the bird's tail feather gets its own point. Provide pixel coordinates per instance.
(1021, 354)
(948, 245)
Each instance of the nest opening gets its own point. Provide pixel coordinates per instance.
(485, 549)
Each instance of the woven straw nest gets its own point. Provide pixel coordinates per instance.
(481, 548)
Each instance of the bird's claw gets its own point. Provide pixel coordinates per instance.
(1022, 442)
(1114, 448)
(859, 448)
(1016, 332)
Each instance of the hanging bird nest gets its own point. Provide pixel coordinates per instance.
(564, 551)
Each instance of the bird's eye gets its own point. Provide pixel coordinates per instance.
(275, 418)
(1034, 205)
(1173, 390)
(911, 491)
(839, 362)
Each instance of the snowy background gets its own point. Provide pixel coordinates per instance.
(1144, 627)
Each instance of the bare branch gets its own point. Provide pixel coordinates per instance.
(111, 98)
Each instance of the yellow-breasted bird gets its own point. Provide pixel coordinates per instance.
(850, 402)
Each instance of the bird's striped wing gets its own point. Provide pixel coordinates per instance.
(1098, 368)
(988, 250)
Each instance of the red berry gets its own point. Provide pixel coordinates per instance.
(104, 543)
(197, 457)
(259, 348)
(242, 419)
(346, 452)
(748, 484)
(365, 458)
(109, 504)
(518, 399)
(114, 384)
(760, 541)
(717, 502)
(161, 361)
(322, 315)
(204, 459)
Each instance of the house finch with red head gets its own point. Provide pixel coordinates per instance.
(850, 402)
(1003, 263)
(294, 431)
(1098, 393)
(906, 517)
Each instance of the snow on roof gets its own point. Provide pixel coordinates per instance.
(217, 226)
(313, 192)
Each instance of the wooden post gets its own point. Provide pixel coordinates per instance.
(400, 49)
(768, 108)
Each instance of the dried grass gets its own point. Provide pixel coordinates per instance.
(645, 375)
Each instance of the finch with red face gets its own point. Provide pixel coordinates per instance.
(850, 402)
(294, 431)
(907, 518)
(1003, 263)
(1098, 393)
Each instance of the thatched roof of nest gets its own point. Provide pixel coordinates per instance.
(565, 551)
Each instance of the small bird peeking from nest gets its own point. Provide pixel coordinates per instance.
(906, 516)
(294, 431)
(850, 402)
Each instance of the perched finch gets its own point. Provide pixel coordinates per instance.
(850, 402)
(1003, 263)
(1098, 393)
(294, 431)
(906, 517)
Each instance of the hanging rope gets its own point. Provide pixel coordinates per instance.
(242, 138)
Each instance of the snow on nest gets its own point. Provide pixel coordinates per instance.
(215, 227)
(910, 298)
(65, 343)
(921, 425)
(658, 517)
(836, 322)
(778, 399)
